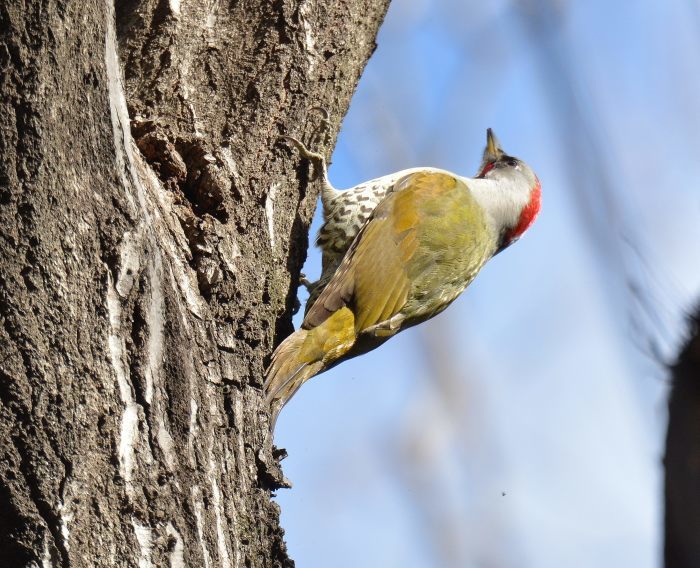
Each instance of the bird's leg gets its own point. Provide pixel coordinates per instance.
(306, 283)
(320, 134)
(317, 159)
(386, 328)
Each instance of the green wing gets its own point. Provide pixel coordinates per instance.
(424, 243)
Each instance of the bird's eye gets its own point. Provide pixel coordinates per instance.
(512, 162)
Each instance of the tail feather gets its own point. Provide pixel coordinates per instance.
(304, 354)
(286, 389)
(287, 373)
(285, 365)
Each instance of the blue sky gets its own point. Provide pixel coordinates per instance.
(524, 426)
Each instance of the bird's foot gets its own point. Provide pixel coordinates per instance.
(316, 158)
(306, 283)
(320, 134)
(302, 149)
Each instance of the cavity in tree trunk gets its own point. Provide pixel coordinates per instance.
(152, 233)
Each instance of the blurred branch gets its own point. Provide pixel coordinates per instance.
(590, 154)
(444, 451)
(426, 431)
(588, 150)
(682, 460)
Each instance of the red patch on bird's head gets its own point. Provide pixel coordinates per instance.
(486, 169)
(528, 214)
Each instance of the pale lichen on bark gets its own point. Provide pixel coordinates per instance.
(270, 213)
(144, 536)
(199, 517)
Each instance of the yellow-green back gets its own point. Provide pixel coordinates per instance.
(422, 246)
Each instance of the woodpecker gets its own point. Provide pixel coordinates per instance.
(420, 240)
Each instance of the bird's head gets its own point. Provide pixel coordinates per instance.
(515, 201)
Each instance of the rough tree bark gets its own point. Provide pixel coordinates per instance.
(152, 234)
(682, 461)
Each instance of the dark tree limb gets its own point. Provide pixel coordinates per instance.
(682, 461)
(152, 234)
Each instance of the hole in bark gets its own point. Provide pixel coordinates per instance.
(206, 184)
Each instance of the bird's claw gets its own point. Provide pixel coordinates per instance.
(317, 159)
(323, 128)
(301, 147)
(305, 282)
(323, 111)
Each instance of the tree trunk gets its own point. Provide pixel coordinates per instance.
(152, 236)
(682, 461)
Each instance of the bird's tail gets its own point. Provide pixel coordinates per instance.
(305, 353)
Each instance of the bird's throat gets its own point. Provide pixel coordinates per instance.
(528, 213)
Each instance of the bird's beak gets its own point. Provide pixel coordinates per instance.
(493, 147)
(492, 153)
